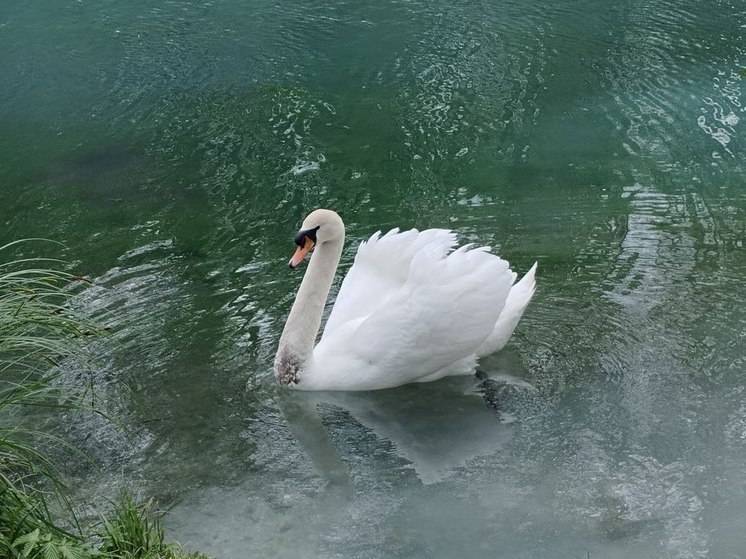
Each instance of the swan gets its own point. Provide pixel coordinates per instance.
(411, 309)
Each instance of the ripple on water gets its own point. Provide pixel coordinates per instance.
(462, 71)
(720, 113)
(602, 138)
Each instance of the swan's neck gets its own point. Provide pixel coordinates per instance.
(302, 326)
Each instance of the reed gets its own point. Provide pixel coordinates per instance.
(39, 329)
(134, 532)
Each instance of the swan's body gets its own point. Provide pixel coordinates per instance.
(411, 309)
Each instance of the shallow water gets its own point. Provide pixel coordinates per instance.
(175, 147)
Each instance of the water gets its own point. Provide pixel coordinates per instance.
(175, 147)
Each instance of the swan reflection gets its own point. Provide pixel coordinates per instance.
(436, 427)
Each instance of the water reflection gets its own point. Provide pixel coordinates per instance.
(435, 428)
(175, 149)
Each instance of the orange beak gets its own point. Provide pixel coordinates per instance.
(300, 253)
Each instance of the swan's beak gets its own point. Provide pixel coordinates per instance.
(300, 253)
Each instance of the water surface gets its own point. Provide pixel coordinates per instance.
(175, 147)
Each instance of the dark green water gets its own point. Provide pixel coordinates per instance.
(175, 146)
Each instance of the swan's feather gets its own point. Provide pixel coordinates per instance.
(408, 310)
(518, 299)
(381, 267)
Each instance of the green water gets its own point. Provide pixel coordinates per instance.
(175, 147)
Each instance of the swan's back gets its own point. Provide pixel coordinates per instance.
(410, 309)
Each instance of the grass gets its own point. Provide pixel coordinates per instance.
(134, 532)
(39, 329)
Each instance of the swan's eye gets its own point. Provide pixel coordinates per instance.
(300, 238)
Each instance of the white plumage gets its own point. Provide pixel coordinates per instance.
(411, 309)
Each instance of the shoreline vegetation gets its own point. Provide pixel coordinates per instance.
(39, 329)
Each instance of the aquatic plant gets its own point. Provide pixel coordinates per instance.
(134, 532)
(39, 328)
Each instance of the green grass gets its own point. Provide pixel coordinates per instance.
(39, 329)
(134, 532)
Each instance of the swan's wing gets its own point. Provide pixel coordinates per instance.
(381, 267)
(518, 299)
(441, 314)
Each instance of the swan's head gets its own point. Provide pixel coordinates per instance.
(319, 227)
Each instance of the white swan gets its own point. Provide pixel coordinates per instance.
(409, 310)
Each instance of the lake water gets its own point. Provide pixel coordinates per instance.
(175, 146)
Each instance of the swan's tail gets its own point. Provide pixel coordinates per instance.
(517, 301)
